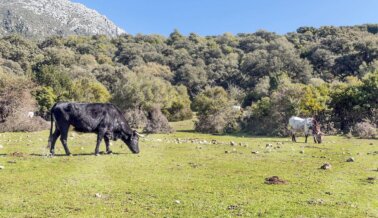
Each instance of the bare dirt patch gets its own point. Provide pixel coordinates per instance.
(17, 154)
(275, 180)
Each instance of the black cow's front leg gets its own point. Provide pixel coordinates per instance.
(293, 138)
(100, 135)
(306, 136)
(107, 143)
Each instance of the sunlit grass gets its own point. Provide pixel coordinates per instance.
(184, 175)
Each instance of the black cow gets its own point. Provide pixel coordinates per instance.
(104, 119)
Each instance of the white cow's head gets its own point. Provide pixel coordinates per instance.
(317, 133)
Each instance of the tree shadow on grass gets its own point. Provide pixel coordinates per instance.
(187, 130)
(3, 155)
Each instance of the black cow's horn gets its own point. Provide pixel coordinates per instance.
(140, 135)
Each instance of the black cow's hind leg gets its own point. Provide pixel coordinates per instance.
(52, 141)
(306, 136)
(107, 143)
(100, 135)
(63, 139)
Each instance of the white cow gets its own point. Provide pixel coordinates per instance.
(307, 125)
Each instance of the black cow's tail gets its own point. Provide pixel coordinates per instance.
(51, 126)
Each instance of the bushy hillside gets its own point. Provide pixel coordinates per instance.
(329, 72)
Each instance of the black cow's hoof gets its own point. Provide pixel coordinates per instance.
(69, 154)
(109, 152)
(98, 154)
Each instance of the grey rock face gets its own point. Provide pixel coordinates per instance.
(42, 18)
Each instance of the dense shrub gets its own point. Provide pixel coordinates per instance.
(354, 101)
(222, 122)
(365, 130)
(139, 91)
(19, 122)
(45, 98)
(15, 103)
(13, 90)
(136, 118)
(85, 90)
(56, 78)
(270, 115)
(215, 111)
(157, 122)
(180, 108)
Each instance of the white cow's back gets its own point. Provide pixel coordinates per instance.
(297, 124)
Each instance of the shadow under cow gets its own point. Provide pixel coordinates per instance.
(80, 154)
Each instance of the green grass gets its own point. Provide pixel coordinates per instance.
(206, 181)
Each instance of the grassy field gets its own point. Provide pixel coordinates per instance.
(185, 175)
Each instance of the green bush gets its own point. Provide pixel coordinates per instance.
(56, 78)
(354, 101)
(45, 98)
(139, 91)
(85, 90)
(269, 116)
(215, 112)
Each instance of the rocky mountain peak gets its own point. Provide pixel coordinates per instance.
(42, 18)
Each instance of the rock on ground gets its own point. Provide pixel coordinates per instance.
(326, 166)
(315, 201)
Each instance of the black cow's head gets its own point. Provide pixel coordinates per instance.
(132, 141)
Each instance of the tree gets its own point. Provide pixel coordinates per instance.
(193, 77)
(146, 92)
(180, 109)
(314, 101)
(154, 69)
(90, 91)
(356, 101)
(45, 98)
(56, 78)
(215, 112)
(269, 115)
(175, 37)
(59, 56)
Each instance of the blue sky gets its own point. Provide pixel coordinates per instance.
(214, 17)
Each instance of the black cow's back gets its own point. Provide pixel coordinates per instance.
(88, 117)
